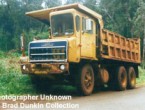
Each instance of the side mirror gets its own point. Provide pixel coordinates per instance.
(88, 24)
(22, 45)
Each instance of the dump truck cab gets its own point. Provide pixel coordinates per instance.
(77, 28)
(73, 34)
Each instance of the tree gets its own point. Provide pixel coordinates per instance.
(51, 3)
(14, 22)
(119, 14)
(139, 26)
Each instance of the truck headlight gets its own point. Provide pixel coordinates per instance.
(62, 67)
(24, 67)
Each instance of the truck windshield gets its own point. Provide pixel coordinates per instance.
(62, 24)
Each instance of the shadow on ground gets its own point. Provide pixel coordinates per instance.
(63, 89)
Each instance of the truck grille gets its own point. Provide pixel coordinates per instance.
(48, 51)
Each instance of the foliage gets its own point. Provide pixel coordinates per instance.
(11, 79)
(124, 17)
(139, 19)
(141, 79)
(14, 22)
(119, 14)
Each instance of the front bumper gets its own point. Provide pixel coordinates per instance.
(44, 68)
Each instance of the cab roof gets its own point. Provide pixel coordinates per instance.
(43, 15)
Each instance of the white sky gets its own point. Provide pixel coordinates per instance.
(63, 1)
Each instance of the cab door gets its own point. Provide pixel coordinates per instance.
(78, 36)
(88, 38)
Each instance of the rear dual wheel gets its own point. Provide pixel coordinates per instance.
(131, 78)
(121, 78)
(125, 79)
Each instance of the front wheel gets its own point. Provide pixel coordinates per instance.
(85, 79)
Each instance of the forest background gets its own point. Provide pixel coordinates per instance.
(126, 17)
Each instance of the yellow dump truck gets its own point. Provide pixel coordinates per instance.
(81, 51)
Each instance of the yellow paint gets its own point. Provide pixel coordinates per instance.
(73, 50)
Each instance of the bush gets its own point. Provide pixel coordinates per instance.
(141, 79)
(12, 81)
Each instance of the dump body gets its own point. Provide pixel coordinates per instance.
(117, 47)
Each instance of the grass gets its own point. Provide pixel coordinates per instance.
(12, 81)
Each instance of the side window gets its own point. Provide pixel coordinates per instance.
(91, 31)
(87, 25)
(77, 23)
(83, 24)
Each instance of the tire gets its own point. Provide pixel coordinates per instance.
(121, 78)
(131, 78)
(85, 80)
